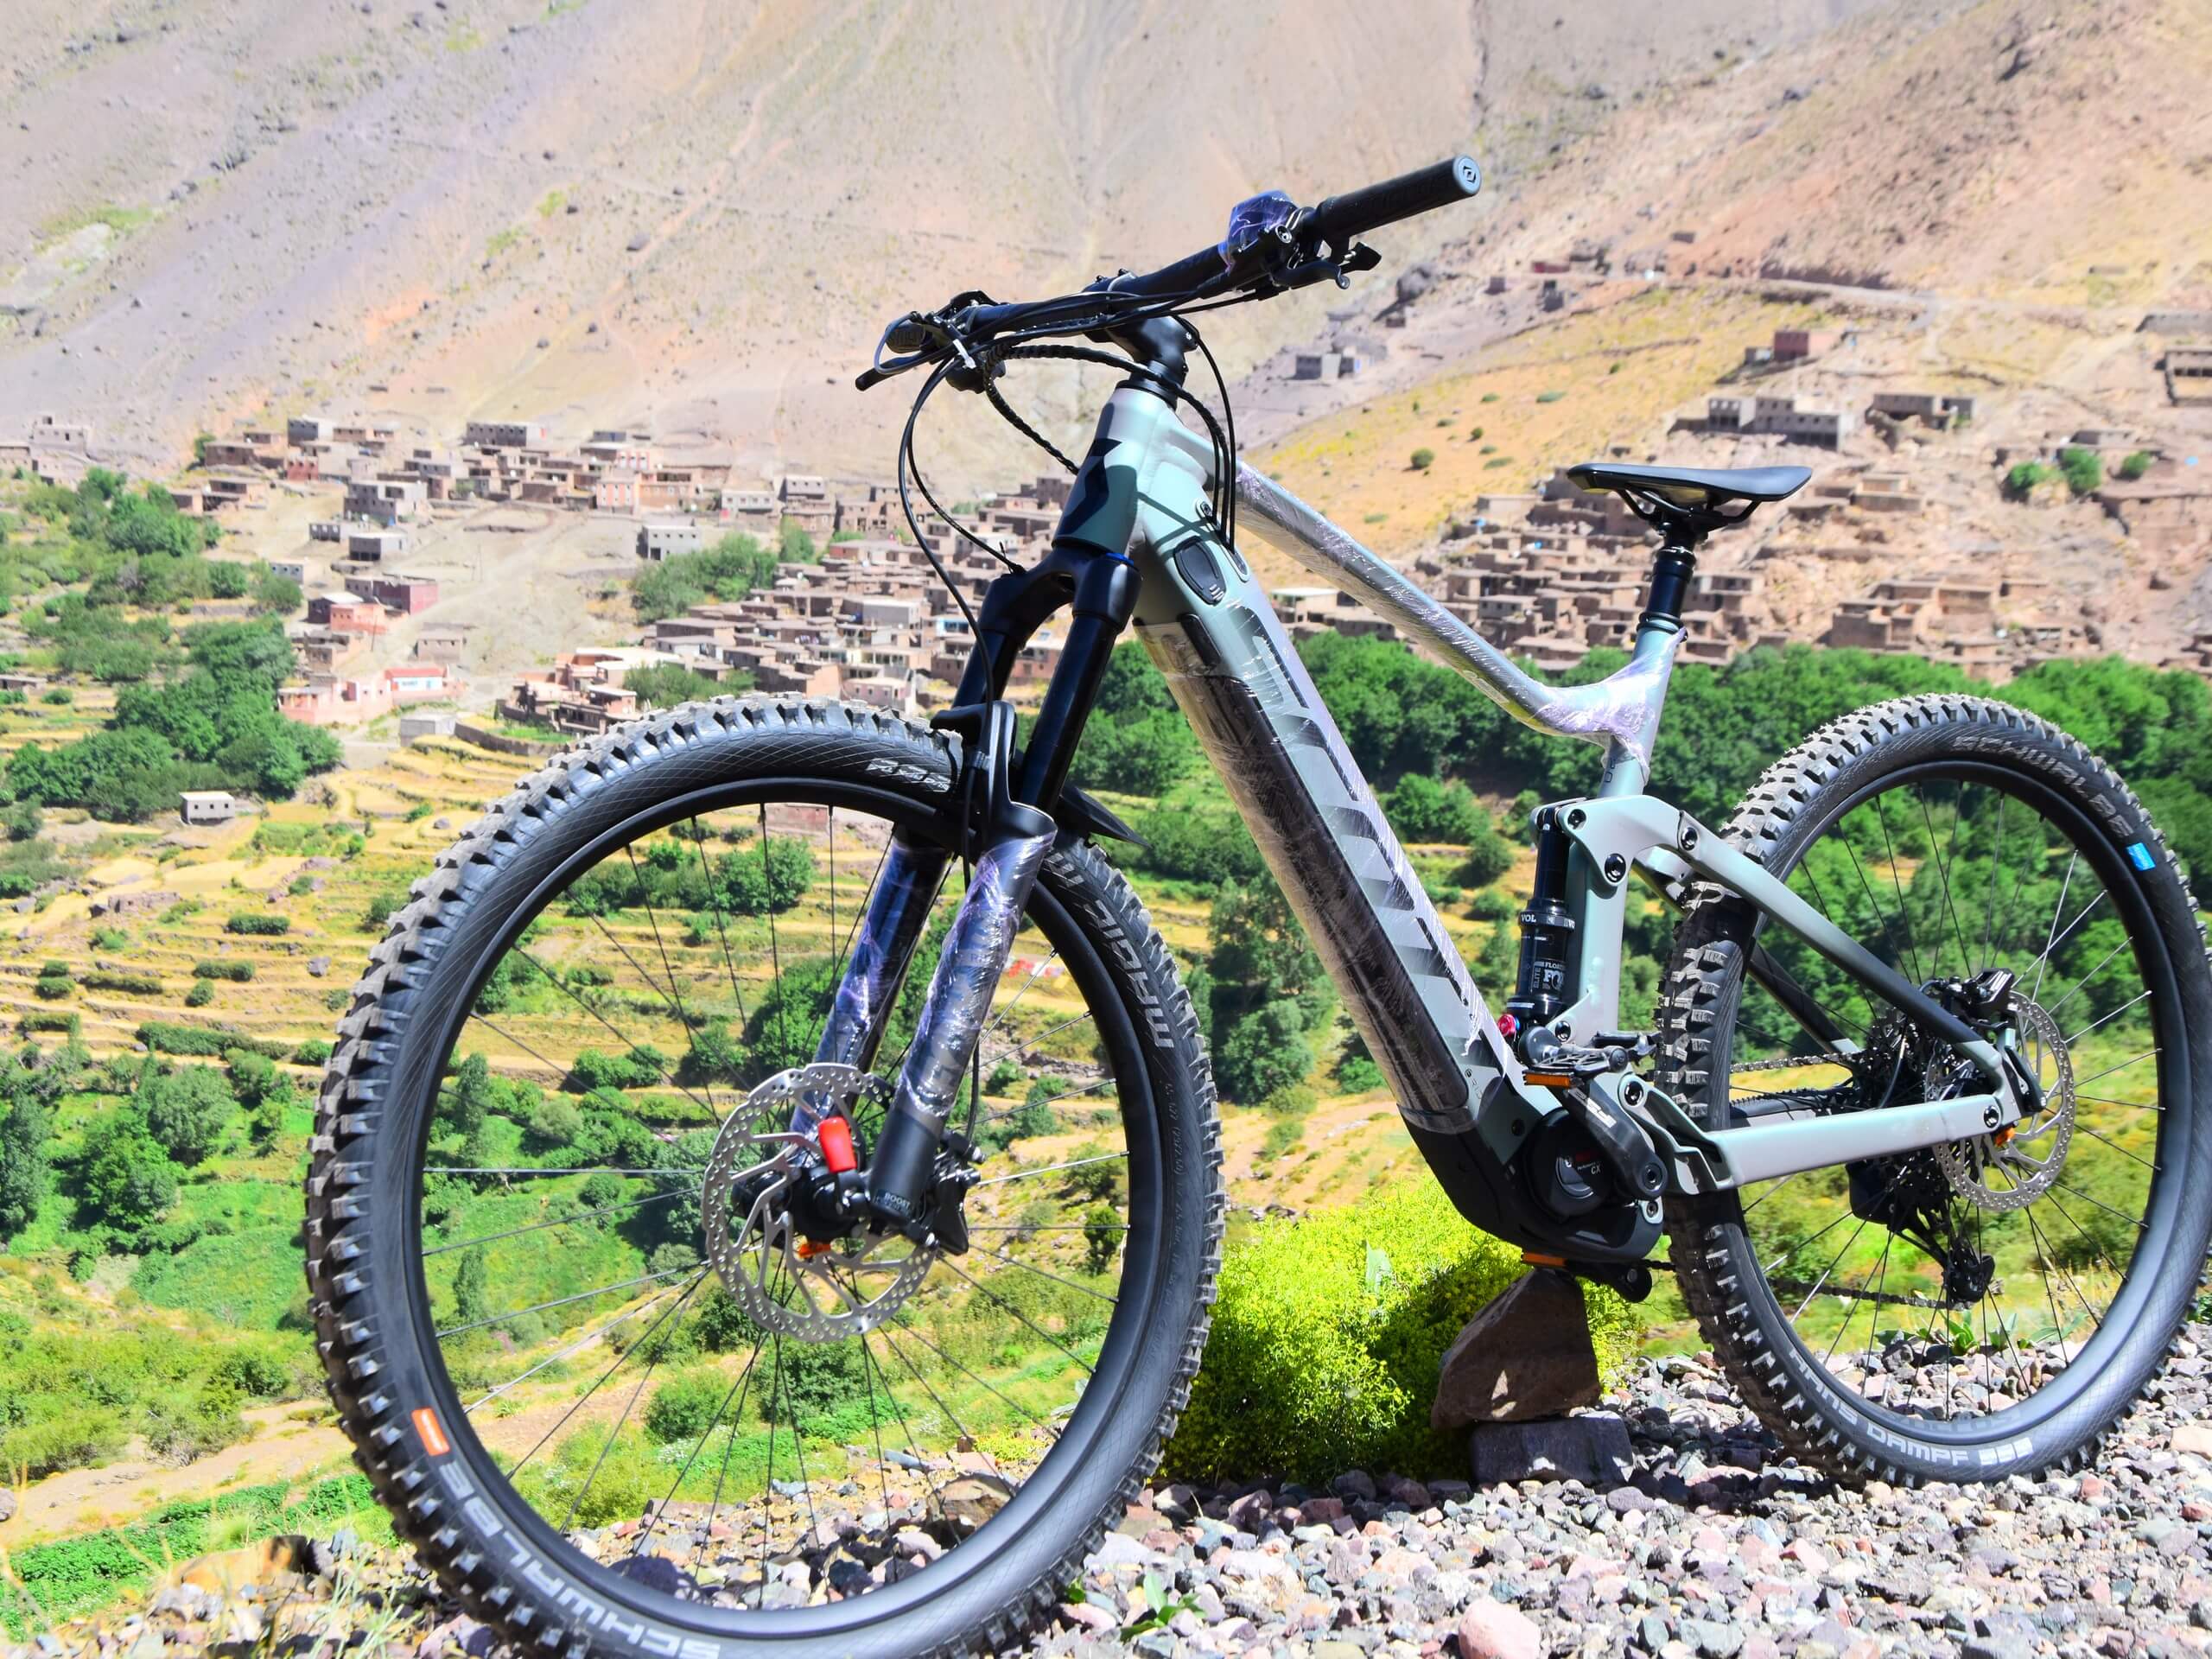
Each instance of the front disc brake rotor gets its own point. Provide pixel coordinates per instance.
(814, 1291)
(2030, 1153)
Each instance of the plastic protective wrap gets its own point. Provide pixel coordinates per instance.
(1623, 709)
(968, 972)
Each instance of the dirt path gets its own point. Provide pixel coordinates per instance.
(282, 1447)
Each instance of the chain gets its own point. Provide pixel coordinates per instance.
(1787, 1063)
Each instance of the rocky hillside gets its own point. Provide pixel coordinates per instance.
(690, 215)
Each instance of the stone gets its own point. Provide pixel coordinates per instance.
(1527, 1355)
(2195, 1439)
(229, 1572)
(1494, 1629)
(1592, 1449)
(318, 966)
(971, 1500)
(1119, 1549)
(7, 1503)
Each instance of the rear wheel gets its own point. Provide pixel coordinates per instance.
(611, 1385)
(1993, 1307)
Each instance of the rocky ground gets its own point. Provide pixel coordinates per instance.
(1715, 1548)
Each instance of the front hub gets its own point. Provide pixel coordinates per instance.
(778, 1213)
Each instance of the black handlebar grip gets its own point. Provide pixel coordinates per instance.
(1426, 189)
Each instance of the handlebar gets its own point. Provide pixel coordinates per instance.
(1340, 218)
(1279, 247)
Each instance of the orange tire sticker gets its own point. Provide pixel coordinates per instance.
(433, 1434)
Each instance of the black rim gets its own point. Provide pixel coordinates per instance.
(1886, 1291)
(905, 1369)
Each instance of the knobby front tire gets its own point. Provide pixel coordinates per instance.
(511, 1564)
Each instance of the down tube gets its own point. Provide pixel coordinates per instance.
(1232, 670)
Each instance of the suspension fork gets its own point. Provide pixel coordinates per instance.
(1006, 821)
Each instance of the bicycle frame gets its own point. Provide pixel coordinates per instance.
(1138, 544)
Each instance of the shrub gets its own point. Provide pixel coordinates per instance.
(314, 1052)
(201, 993)
(1328, 1334)
(685, 1407)
(208, 1041)
(242, 972)
(2025, 477)
(109, 979)
(53, 988)
(1422, 460)
(2136, 465)
(109, 938)
(2084, 469)
(260, 922)
(59, 697)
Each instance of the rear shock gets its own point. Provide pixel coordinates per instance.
(1544, 986)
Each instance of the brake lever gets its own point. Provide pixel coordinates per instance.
(1338, 268)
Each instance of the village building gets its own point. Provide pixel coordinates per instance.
(207, 806)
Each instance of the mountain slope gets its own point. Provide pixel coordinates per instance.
(692, 214)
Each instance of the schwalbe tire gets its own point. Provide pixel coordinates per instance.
(1711, 1249)
(369, 1336)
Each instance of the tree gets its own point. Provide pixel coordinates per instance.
(663, 685)
(126, 1181)
(465, 1107)
(1102, 1237)
(471, 1287)
(25, 1133)
(1264, 1051)
(771, 875)
(794, 546)
(1421, 808)
(188, 1111)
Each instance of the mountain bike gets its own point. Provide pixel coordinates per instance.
(767, 1195)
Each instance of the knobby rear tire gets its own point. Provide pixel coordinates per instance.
(375, 1343)
(1713, 1252)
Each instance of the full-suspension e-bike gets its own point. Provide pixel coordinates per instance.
(767, 1194)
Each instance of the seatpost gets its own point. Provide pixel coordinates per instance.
(1658, 635)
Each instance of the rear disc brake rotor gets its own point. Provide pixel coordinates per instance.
(2029, 1154)
(787, 1283)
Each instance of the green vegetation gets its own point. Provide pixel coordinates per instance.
(265, 923)
(53, 1581)
(730, 569)
(2024, 476)
(2140, 462)
(214, 727)
(2084, 469)
(664, 685)
(1421, 460)
(1328, 1332)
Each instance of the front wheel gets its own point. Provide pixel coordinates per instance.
(614, 1385)
(1993, 1307)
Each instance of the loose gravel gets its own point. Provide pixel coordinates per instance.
(1718, 1549)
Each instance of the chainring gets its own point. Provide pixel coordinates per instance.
(784, 1283)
